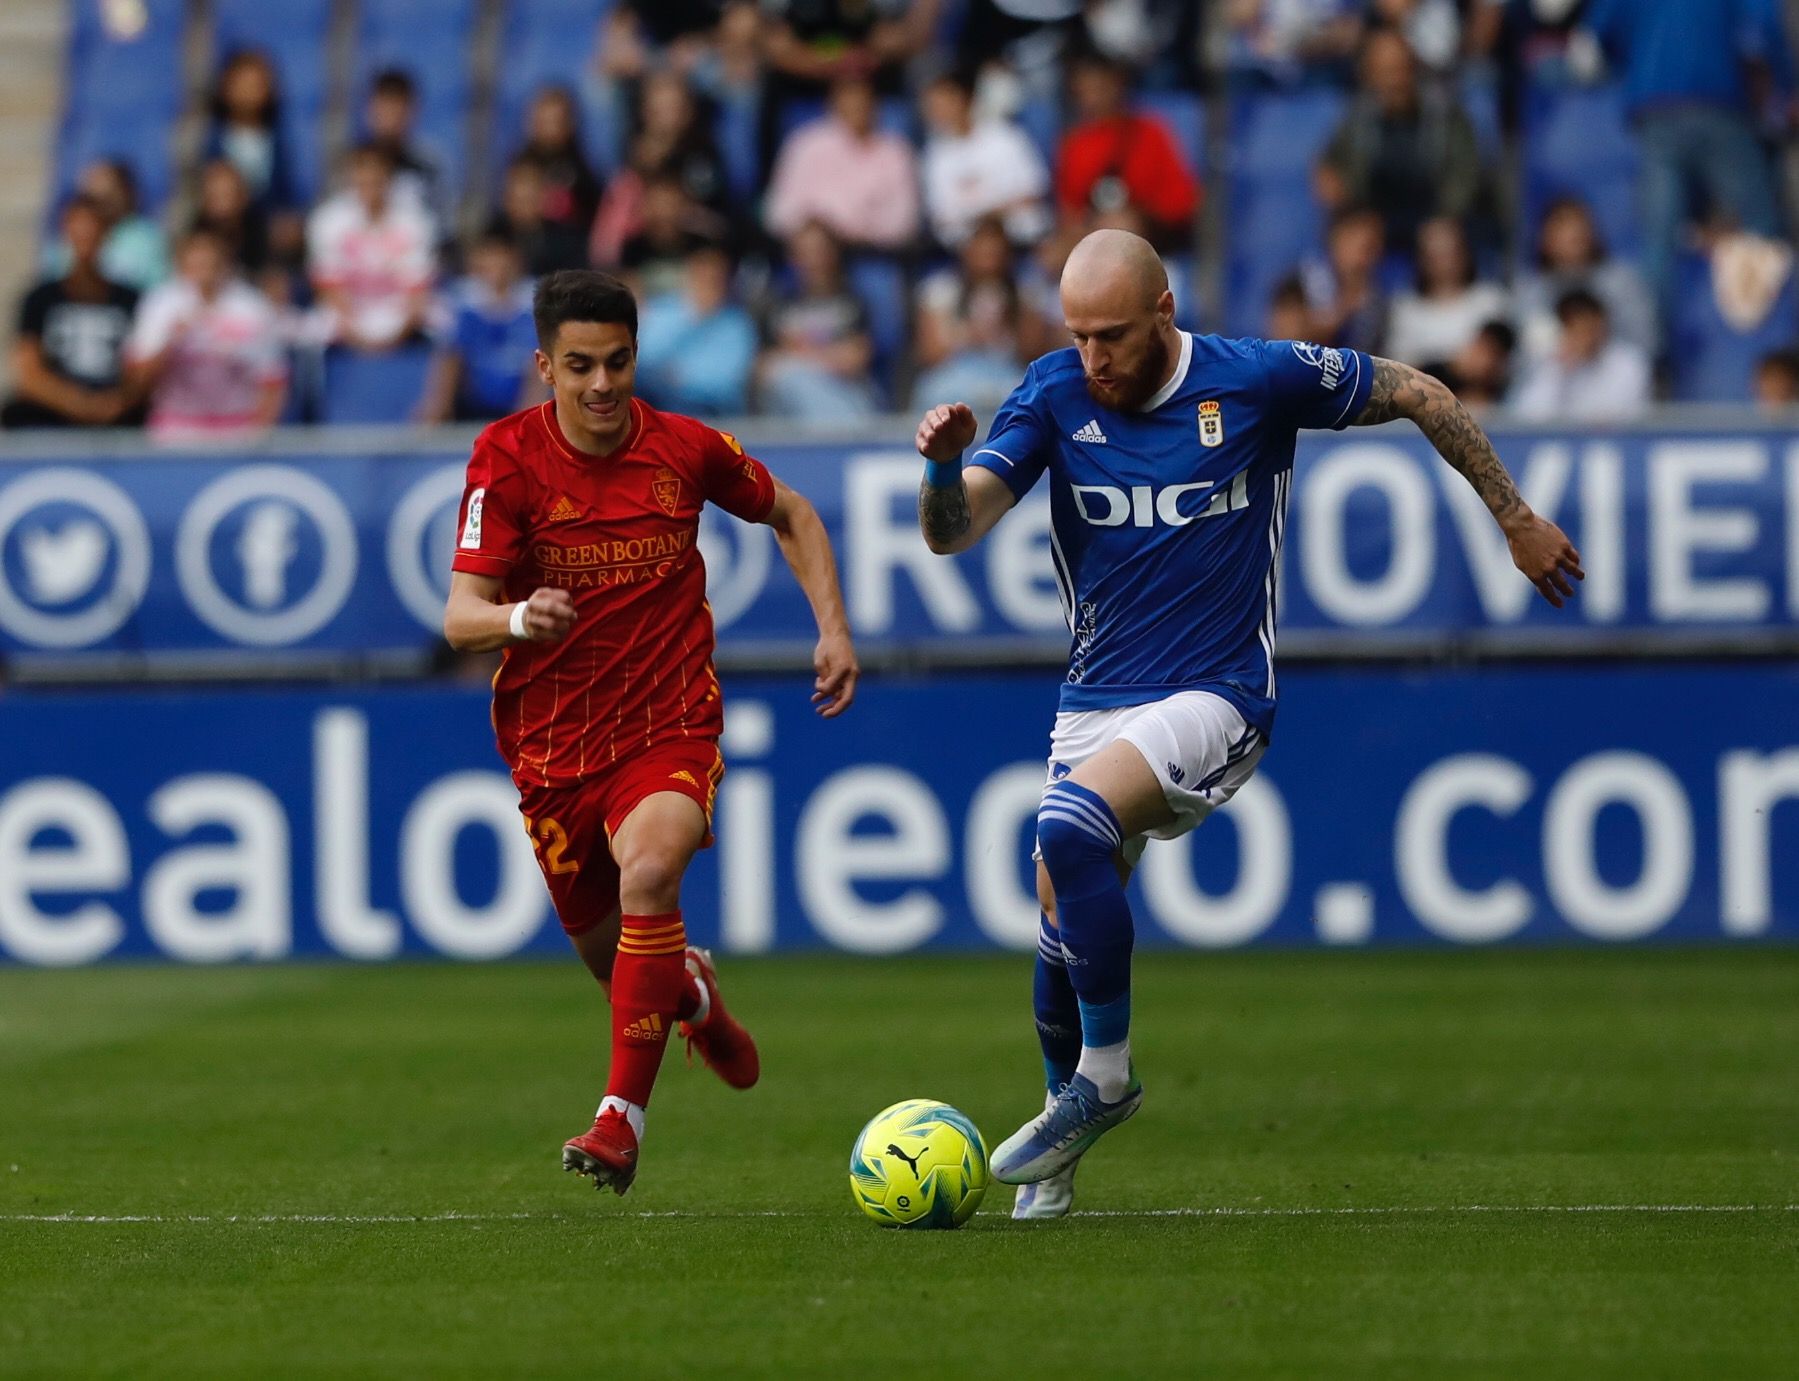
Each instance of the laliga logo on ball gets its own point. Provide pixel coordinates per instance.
(73, 529)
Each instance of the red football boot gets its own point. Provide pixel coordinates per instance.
(728, 1049)
(608, 1152)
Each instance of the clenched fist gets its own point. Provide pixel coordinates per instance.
(946, 431)
(549, 614)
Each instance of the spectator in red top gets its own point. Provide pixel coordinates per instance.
(1113, 157)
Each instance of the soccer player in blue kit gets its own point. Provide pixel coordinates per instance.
(1171, 455)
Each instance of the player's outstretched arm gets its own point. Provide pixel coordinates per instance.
(1539, 548)
(807, 547)
(477, 617)
(956, 507)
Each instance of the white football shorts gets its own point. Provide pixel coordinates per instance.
(1200, 748)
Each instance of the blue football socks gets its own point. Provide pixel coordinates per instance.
(1058, 1011)
(1079, 835)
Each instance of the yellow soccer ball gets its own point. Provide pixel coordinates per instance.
(919, 1164)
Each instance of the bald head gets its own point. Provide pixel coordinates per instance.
(1116, 303)
(1115, 272)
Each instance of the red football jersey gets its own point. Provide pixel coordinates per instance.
(619, 533)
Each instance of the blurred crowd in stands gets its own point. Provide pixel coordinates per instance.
(830, 208)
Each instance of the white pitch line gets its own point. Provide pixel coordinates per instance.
(1391, 1210)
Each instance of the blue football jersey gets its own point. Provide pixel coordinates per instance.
(1167, 521)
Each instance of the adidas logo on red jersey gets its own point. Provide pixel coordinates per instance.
(564, 511)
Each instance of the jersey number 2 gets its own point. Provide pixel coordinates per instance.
(550, 831)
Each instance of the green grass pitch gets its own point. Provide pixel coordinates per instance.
(1413, 1164)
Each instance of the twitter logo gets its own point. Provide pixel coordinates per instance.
(63, 564)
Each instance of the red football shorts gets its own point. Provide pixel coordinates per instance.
(571, 827)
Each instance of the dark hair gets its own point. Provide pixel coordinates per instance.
(1578, 302)
(959, 77)
(1355, 211)
(497, 237)
(581, 295)
(705, 248)
(392, 81)
(201, 231)
(81, 201)
(1291, 289)
(1501, 334)
(1089, 54)
(369, 149)
(1785, 361)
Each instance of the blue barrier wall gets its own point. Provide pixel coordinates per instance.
(1610, 805)
(193, 554)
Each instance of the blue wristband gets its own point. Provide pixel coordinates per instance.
(943, 474)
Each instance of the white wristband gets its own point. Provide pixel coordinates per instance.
(517, 623)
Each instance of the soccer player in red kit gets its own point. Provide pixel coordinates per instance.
(578, 555)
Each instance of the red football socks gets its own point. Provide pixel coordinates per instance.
(648, 984)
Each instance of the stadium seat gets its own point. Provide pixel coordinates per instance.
(381, 388)
(739, 134)
(1577, 142)
(881, 284)
(1185, 115)
(1184, 283)
(122, 96)
(952, 17)
(143, 145)
(130, 72)
(1479, 93)
(1041, 120)
(430, 41)
(295, 34)
(551, 43)
(1712, 361)
(1276, 138)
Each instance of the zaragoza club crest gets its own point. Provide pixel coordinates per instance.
(667, 486)
(1211, 423)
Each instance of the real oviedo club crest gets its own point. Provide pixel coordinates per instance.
(1211, 423)
(667, 487)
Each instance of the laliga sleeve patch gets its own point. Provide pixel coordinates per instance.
(471, 527)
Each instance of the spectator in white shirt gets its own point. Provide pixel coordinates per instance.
(1590, 377)
(978, 169)
(206, 347)
(1433, 323)
(372, 256)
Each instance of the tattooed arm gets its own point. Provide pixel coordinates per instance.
(1539, 548)
(953, 517)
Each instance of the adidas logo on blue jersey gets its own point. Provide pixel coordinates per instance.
(1091, 433)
